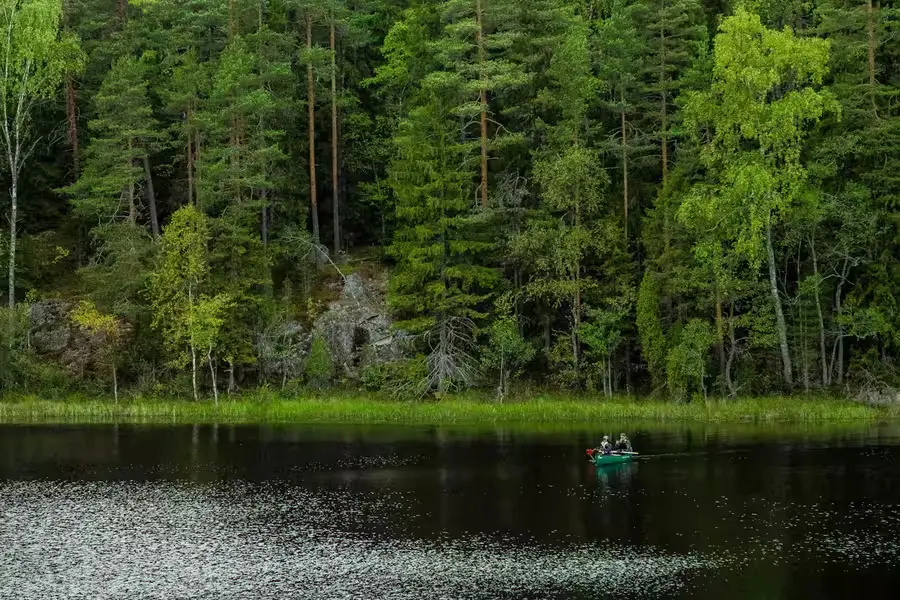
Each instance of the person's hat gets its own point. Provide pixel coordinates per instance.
(623, 435)
(605, 437)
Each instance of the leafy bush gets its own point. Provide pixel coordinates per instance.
(507, 354)
(401, 378)
(374, 377)
(686, 361)
(319, 368)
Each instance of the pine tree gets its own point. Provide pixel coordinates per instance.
(673, 31)
(242, 162)
(476, 41)
(315, 59)
(620, 53)
(123, 137)
(856, 163)
(438, 275)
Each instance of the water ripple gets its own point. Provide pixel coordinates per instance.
(105, 540)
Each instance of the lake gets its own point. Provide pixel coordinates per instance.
(384, 512)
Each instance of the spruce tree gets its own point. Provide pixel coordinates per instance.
(570, 232)
(440, 286)
(856, 163)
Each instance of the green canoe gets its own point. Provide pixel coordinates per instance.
(601, 460)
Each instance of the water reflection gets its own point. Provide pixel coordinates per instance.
(762, 510)
(615, 478)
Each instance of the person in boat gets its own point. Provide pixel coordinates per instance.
(624, 444)
(605, 446)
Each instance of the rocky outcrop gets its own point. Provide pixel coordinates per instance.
(358, 329)
(53, 336)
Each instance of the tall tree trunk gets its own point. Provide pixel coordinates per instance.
(212, 372)
(609, 375)
(190, 170)
(576, 325)
(664, 136)
(779, 312)
(121, 6)
(151, 198)
(197, 163)
(803, 344)
(548, 331)
(870, 26)
(194, 371)
(264, 217)
(826, 381)
(479, 40)
(193, 347)
(576, 311)
(335, 175)
(115, 384)
(720, 340)
(732, 353)
(500, 384)
(13, 217)
(624, 167)
(311, 127)
(72, 123)
(132, 208)
(839, 307)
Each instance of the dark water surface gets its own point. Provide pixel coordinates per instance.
(277, 512)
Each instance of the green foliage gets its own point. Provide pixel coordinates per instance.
(653, 338)
(746, 181)
(436, 245)
(123, 134)
(319, 368)
(397, 378)
(189, 318)
(762, 98)
(88, 317)
(569, 232)
(686, 362)
(507, 353)
(36, 53)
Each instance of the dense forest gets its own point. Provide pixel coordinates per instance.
(677, 197)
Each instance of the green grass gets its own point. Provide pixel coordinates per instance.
(459, 411)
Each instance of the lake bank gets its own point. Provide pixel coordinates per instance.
(456, 411)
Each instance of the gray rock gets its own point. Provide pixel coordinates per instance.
(354, 288)
(55, 337)
(51, 330)
(358, 329)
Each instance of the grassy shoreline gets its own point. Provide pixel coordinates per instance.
(456, 411)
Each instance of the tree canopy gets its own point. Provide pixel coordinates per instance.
(633, 196)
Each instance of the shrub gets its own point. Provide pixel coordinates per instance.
(319, 368)
(686, 361)
(402, 379)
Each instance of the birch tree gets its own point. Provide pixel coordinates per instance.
(753, 121)
(36, 57)
(189, 319)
